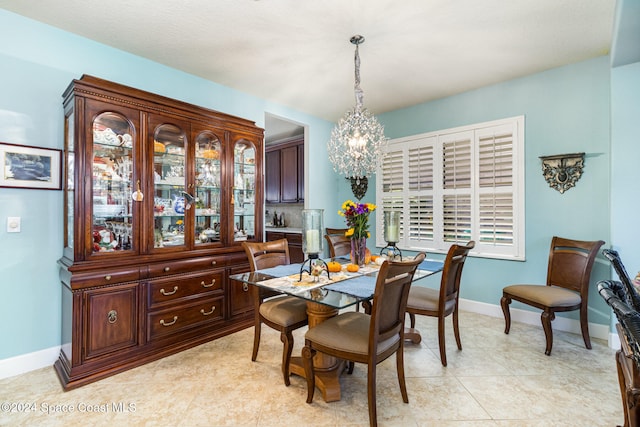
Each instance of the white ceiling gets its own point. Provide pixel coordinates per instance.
(297, 52)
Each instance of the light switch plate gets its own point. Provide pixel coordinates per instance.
(13, 224)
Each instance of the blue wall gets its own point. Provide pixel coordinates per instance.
(566, 111)
(625, 160)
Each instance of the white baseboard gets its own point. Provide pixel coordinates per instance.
(39, 359)
(28, 362)
(533, 318)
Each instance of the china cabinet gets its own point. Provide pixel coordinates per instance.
(159, 194)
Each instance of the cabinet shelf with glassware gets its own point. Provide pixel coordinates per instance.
(158, 194)
(244, 191)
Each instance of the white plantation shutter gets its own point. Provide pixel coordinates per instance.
(496, 219)
(457, 218)
(392, 187)
(457, 185)
(495, 163)
(420, 171)
(456, 161)
(420, 219)
(421, 167)
(495, 207)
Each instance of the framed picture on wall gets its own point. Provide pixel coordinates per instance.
(25, 166)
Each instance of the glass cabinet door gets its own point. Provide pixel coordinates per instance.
(70, 183)
(112, 173)
(207, 190)
(244, 188)
(170, 200)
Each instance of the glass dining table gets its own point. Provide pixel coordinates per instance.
(325, 297)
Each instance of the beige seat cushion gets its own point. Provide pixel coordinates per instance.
(550, 296)
(421, 298)
(284, 311)
(347, 332)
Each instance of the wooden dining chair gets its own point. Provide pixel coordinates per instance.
(337, 242)
(567, 287)
(282, 313)
(340, 245)
(367, 338)
(442, 302)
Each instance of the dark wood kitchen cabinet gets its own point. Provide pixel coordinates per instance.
(158, 197)
(285, 172)
(272, 176)
(295, 243)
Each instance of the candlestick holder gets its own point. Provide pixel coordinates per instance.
(391, 251)
(315, 266)
(391, 235)
(312, 244)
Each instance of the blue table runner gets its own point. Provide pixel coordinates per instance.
(281, 270)
(359, 286)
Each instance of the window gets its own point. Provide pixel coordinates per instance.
(456, 185)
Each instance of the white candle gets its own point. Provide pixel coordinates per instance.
(313, 241)
(393, 233)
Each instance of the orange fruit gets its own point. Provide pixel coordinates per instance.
(334, 266)
(352, 268)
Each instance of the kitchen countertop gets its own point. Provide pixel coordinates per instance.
(284, 229)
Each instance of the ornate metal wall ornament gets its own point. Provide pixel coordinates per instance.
(562, 171)
(359, 186)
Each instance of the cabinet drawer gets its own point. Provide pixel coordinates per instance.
(274, 235)
(294, 238)
(185, 266)
(174, 288)
(104, 277)
(173, 320)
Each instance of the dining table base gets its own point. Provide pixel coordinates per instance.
(327, 380)
(327, 369)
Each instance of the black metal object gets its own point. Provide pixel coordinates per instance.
(359, 185)
(392, 251)
(624, 300)
(312, 261)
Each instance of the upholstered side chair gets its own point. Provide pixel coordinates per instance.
(282, 313)
(367, 338)
(567, 287)
(337, 242)
(441, 302)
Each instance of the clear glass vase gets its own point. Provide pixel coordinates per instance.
(358, 250)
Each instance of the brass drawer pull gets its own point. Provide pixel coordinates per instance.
(166, 269)
(107, 277)
(112, 316)
(165, 293)
(175, 319)
(213, 262)
(204, 285)
(213, 308)
(245, 287)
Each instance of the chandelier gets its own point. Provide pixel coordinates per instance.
(356, 144)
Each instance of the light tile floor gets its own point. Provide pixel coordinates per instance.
(496, 380)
